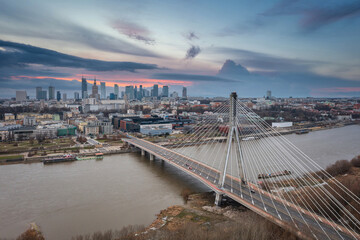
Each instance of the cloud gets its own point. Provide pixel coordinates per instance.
(313, 16)
(263, 62)
(191, 77)
(230, 68)
(234, 77)
(317, 18)
(133, 31)
(16, 20)
(191, 36)
(192, 52)
(21, 55)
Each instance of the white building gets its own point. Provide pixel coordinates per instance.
(156, 129)
(29, 121)
(21, 96)
(281, 124)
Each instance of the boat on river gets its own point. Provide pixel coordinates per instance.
(58, 159)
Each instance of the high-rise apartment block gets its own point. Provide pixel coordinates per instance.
(21, 96)
(268, 94)
(184, 92)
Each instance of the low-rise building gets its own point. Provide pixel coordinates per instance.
(91, 129)
(9, 116)
(281, 124)
(156, 129)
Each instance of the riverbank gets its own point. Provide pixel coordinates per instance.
(199, 219)
(19, 159)
(316, 127)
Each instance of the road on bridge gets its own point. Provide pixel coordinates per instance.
(273, 208)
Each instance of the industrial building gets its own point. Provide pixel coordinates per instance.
(150, 126)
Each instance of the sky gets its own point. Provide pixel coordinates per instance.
(293, 48)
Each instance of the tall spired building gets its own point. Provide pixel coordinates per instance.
(95, 90)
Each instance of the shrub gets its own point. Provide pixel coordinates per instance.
(355, 161)
(339, 167)
(185, 193)
(31, 234)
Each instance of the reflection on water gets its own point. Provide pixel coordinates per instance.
(86, 196)
(268, 155)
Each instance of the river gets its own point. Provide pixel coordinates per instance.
(86, 196)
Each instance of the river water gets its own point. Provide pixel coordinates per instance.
(86, 196)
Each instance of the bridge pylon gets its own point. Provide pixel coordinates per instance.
(233, 138)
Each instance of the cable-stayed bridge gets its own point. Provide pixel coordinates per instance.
(237, 154)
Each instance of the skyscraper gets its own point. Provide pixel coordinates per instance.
(51, 92)
(129, 92)
(43, 95)
(38, 93)
(165, 91)
(268, 94)
(58, 95)
(140, 96)
(184, 92)
(103, 90)
(83, 88)
(135, 93)
(116, 91)
(64, 97)
(155, 90)
(76, 96)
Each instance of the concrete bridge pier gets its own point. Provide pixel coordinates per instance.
(152, 158)
(218, 199)
(142, 152)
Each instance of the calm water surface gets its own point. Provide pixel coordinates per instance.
(86, 196)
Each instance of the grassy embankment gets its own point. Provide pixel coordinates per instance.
(36, 148)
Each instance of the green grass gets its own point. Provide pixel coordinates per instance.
(193, 216)
(23, 146)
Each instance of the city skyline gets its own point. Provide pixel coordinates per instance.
(112, 93)
(293, 48)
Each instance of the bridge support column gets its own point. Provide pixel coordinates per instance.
(152, 158)
(142, 152)
(218, 199)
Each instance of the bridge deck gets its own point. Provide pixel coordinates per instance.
(265, 204)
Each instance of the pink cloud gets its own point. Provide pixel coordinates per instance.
(133, 30)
